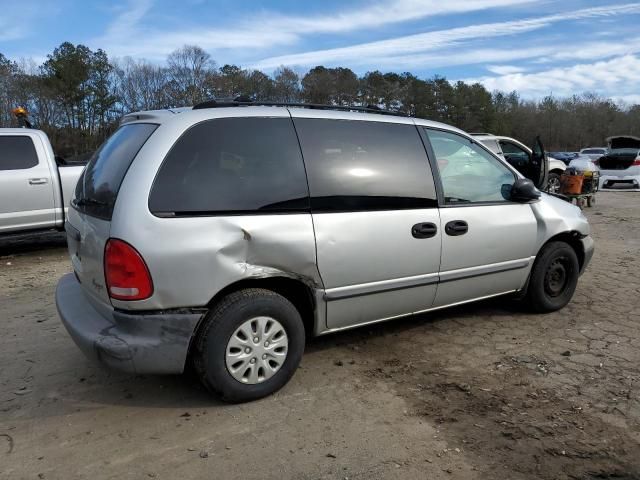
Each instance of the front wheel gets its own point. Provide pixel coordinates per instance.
(554, 278)
(553, 183)
(250, 345)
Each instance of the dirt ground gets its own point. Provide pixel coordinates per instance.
(478, 392)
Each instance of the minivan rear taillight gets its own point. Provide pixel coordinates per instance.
(126, 273)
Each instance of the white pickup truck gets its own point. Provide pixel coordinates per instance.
(34, 188)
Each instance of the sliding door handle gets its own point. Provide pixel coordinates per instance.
(424, 230)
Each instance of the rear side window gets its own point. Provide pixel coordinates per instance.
(232, 165)
(97, 188)
(360, 165)
(17, 153)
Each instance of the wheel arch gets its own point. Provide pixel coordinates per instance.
(572, 238)
(296, 291)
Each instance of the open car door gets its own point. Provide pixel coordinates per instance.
(533, 164)
(538, 168)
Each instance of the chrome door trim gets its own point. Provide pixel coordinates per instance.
(349, 327)
(461, 273)
(350, 291)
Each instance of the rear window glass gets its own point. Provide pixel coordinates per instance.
(97, 189)
(360, 165)
(17, 153)
(596, 151)
(232, 165)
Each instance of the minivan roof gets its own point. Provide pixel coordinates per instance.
(295, 110)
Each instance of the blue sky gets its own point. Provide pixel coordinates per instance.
(536, 47)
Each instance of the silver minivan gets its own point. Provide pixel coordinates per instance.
(224, 234)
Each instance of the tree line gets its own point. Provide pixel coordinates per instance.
(77, 96)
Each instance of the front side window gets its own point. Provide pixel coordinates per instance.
(17, 153)
(232, 165)
(356, 165)
(469, 174)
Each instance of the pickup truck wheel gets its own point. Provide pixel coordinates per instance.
(553, 183)
(554, 278)
(250, 345)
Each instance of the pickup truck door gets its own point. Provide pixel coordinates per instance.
(26, 189)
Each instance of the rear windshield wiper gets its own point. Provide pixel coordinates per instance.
(90, 201)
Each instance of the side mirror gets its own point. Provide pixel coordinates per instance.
(524, 191)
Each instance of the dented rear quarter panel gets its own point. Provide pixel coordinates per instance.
(192, 258)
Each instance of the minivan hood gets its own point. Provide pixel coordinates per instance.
(623, 141)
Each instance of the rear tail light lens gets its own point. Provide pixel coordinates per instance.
(126, 273)
(636, 162)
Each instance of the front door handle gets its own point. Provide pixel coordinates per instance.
(424, 230)
(456, 227)
(37, 181)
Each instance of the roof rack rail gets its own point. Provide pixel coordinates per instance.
(478, 134)
(243, 101)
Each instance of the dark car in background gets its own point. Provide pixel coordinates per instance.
(565, 157)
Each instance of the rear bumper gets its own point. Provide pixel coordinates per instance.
(615, 181)
(588, 247)
(136, 343)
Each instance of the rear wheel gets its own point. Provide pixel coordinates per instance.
(554, 278)
(250, 345)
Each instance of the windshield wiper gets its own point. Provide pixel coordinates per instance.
(90, 201)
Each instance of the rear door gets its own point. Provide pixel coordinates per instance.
(487, 240)
(375, 216)
(89, 219)
(26, 190)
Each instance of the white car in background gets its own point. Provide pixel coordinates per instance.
(594, 153)
(620, 167)
(518, 155)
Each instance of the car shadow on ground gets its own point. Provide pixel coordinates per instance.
(494, 307)
(32, 242)
(96, 385)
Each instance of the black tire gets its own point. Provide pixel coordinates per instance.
(553, 183)
(220, 324)
(553, 279)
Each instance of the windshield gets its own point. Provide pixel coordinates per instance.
(98, 186)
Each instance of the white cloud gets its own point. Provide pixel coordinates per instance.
(269, 29)
(631, 99)
(505, 69)
(542, 54)
(617, 77)
(430, 41)
(383, 13)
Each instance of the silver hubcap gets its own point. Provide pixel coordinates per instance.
(256, 350)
